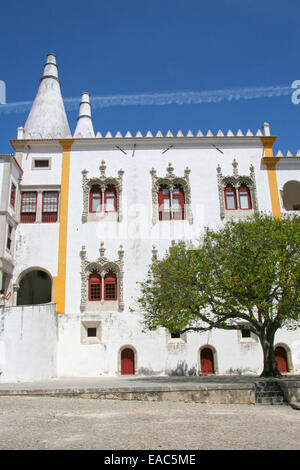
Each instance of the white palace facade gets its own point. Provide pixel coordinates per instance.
(81, 217)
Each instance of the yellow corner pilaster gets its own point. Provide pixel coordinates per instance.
(270, 161)
(60, 279)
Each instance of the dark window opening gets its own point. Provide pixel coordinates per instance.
(92, 332)
(175, 335)
(41, 163)
(246, 333)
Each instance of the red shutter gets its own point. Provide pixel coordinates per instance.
(164, 195)
(230, 198)
(13, 195)
(178, 195)
(111, 196)
(244, 195)
(95, 196)
(110, 287)
(28, 207)
(50, 206)
(94, 287)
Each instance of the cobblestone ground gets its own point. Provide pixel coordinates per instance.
(73, 423)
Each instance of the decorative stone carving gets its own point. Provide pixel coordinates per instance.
(103, 266)
(236, 181)
(103, 182)
(171, 181)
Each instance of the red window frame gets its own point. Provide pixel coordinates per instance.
(95, 287)
(50, 207)
(110, 287)
(9, 237)
(245, 192)
(107, 195)
(178, 215)
(95, 194)
(162, 196)
(228, 192)
(13, 195)
(28, 211)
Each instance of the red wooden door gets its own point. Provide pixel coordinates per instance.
(127, 362)
(281, 359)
(207, 361)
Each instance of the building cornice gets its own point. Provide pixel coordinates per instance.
(201, 141)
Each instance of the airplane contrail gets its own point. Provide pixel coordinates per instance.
(163, 98)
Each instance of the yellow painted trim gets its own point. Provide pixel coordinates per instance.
(60, 280)
(268, 142)
(270, 163)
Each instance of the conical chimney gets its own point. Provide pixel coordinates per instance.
(47, 118)
(84, 126)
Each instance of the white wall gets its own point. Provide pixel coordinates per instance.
(28, 343)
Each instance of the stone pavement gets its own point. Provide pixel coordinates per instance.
(48, 423)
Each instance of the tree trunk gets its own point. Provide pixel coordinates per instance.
(270, 364)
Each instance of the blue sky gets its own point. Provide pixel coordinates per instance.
(113, 47)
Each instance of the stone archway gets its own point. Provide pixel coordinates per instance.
(208, 362)
(35, 287)
(282, 357)
(127, 360)
(291, 196)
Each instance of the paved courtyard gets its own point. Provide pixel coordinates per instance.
(78, 424)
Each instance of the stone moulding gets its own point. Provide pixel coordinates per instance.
(171, 180)
(103, 182)
(236, 181)
(103, 266)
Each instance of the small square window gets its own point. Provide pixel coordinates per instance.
(175, 335)
(43, 163)
(246, 333)
(92, 332)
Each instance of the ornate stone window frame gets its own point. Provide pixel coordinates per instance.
(103, 182)
(171, 180)
(236, 181)
(102, 265)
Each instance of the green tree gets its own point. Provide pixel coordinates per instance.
(245, 275)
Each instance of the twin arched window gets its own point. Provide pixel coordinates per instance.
(103, 201)
(109, 283)
(171, 204)
(240, 199)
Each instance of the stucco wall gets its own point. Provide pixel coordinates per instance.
(28, 343)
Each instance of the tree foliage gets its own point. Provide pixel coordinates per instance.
(246, 274)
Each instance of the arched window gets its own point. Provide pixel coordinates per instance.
(244, 198)
(178, 203)
(95, 199)
(110, 199)
(94, 286)
(164, 205)
(230, 198)
(110, 287)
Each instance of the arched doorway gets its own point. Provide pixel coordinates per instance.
(35, 287)
(291, 196)
(207, 361)
(127, 361)
(281, 359)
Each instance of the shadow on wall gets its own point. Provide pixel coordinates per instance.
(35, 288)
(182, 370)
(291, 196)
